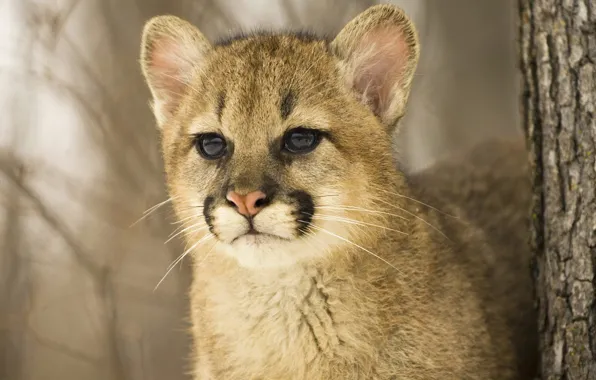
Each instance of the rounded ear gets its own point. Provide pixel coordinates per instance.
(171, 51)
(379, 51)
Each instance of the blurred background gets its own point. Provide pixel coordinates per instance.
(79, 164)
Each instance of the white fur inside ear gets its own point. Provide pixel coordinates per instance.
(170, 69)
(174, 57)
(377, 71)
(172, 52)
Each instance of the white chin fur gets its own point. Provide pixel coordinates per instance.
(266, 251)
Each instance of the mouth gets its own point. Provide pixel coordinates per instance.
(252, 231)
(254, 237)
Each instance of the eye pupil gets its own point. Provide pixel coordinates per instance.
(301, 140)
(211, 146)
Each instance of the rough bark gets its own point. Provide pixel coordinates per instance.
(558, 58)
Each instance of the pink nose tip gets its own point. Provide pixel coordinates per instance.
(249, 204)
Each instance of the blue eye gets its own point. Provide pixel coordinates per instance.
(211, 146)
(301, 140)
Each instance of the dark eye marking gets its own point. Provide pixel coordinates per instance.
(287, 104)
(305, 209)
(221, 103)
(301, 140)
(211, 146)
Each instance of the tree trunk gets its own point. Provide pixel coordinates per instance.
(558, 53)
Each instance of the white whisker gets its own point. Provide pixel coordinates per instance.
(200, 225)
(356, 222)
(415, 216)
(151, 210)
(206, 254)
(354, 244)
(181, 257)
(417, 201)
(180, 221)
(355, 208)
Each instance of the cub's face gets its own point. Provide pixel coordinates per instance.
(269, 142)
(271, 156)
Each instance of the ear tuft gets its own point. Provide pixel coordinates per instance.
(171, 51)
(379, 52)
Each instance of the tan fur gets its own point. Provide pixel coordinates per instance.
(375, 289)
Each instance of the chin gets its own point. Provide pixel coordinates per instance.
(258, 240)
(268, 251)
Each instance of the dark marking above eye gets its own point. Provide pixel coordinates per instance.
(287, 104)
(221, 103)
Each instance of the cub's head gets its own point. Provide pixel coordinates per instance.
(276, 145)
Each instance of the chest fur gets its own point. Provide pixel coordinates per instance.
(298, 323)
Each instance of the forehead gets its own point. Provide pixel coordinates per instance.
(265, 78)
(271, 60)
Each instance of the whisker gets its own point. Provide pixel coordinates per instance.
(415, 216)
(206, 254)
(190, 208)
(355, 208)
(327, 195)
(201, 227)
(151, 210)
(181, 257)
(179, 221)
(182, 224)
(313, 235)
(354, 244)
(200, 218)
(415, 200)
(180, 227)
(353, 221)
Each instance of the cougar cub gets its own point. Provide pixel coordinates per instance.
(313, 257)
